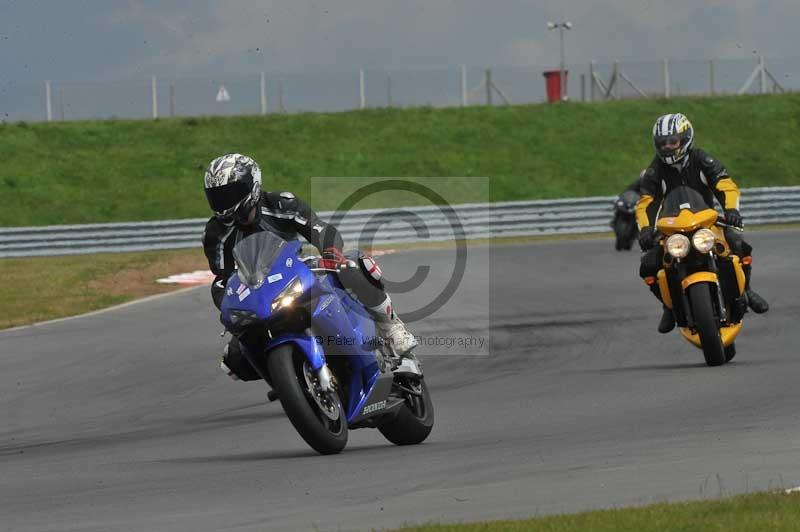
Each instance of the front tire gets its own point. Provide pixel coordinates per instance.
(621, 232)
(706, 324)
(414, 420)
(324, 435)
(622, 229)
(730, 352)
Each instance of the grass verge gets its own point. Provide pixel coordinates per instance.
(120, 170)
(747, 513)
(44, 288)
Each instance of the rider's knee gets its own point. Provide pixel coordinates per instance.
(737, 244)
(651, 263)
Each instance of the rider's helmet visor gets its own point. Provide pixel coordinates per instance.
(667, 144)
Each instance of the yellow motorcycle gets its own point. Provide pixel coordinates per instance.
(702, 281)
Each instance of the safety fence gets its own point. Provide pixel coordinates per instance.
(458, 85)
(768, 205)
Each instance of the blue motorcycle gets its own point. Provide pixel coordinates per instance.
(316, 345)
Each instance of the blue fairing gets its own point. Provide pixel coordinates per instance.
(340, 325)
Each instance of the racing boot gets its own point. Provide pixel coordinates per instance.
(667, 322)
(392, 330)
(754, 301)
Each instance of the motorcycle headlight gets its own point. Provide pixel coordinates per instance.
(242, 318)
(703, 240)
(678, 246)
(288, 295)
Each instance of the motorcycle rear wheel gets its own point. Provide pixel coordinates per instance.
(706, 324)
(414, 420)
(324, 435)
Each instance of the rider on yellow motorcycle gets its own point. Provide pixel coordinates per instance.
(678, 163)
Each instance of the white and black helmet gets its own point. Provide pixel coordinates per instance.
(672, 137)
(233, 186)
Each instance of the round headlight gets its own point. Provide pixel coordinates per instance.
(678, 246)
(703, 240)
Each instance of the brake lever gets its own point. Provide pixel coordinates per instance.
(727, 226)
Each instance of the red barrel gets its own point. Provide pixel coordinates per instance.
(552, 79)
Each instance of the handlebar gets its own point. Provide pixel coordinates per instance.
(721, 223)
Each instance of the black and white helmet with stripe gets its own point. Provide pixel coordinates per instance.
(233, 186)
(672, 137)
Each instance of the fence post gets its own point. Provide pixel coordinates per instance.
(592, 81)
(362, 100)
(154, 94)
(464, 97)
(48, 106)
(61, 103)
(172, 98)
(666, 78)
(280, 96)
(262, 85)
(617, 84)
(711, 76)
(583, 87)
(763, 74)
(488, 83)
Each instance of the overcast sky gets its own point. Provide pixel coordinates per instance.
(121, 39)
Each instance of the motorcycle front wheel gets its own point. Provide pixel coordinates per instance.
(706, 324)
(622, 231)
(325, 431)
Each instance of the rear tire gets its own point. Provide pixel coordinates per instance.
(324, 435)
(706, 324)
(414, 420)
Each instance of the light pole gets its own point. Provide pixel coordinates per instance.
(566, 25)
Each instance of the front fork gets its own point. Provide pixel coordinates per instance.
(307, 344)
(686, 279)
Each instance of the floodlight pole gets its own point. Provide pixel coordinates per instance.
(566, 25)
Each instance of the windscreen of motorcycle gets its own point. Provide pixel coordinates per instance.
(683, 198)
(255, 256)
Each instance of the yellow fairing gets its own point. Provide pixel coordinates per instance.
(699, 277)
(663, 287)
(719, 234)
(687, 221)
(728, 334)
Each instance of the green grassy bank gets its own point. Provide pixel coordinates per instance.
(79, 172)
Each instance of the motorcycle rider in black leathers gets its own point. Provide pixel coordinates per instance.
(233, 190)
(678, 163)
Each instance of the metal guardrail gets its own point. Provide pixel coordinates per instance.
(765, 205)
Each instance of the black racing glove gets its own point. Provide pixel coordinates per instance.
(733, 217)
(647, 238)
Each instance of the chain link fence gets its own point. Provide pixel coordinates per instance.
(374, 88)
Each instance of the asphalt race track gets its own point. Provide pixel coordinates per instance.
(122, 420)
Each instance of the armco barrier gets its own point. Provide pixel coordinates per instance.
(383, 226)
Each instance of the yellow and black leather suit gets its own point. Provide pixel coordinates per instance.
(699, 171)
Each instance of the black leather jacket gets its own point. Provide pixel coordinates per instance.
(279, 212)
(700, 172)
